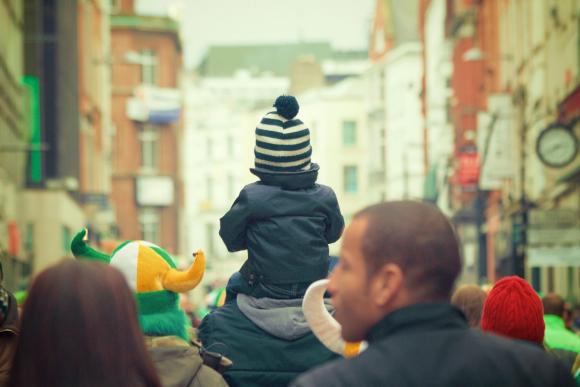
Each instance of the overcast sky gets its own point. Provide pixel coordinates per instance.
(343, 23)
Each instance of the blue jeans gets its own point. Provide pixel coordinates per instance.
(238, 284)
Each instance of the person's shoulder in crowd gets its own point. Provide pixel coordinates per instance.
(180, 364)
(485, 360)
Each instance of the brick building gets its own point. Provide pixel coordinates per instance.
(146, 58)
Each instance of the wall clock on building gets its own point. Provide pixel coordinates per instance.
(557, 146)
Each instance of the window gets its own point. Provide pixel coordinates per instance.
(148, 67)
(149, 223)
(149, 148)
(350, 178)
(348, 133)
(209, 235)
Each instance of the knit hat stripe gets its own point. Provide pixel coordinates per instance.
(282, 136)
(278, 141)
(279, 155)
(276, 120)
(282, 146)
(280, 129)
(295, 163)
(291, 123)
(271, 121)
(300, 167)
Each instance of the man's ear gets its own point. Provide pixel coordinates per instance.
(386, 284)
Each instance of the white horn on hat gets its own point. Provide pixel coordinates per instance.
(323, 325)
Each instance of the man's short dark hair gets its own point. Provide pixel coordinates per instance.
(419, 239)
(553, 304)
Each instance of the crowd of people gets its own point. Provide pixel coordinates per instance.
(115, 320)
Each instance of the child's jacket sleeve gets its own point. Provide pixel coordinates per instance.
(234, 223)
(335, 221)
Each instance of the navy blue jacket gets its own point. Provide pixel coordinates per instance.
(431, 345)
(286, 222)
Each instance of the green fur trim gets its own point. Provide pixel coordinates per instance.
(160, 315)
(81, 250)
(165, 256)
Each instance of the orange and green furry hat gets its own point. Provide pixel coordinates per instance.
(152, 274)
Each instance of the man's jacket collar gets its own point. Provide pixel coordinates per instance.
(418, 317)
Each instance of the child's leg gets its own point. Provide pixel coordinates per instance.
(237, 284)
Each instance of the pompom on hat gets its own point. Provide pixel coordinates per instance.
(152, 274)
(513, 309)
(283, 141)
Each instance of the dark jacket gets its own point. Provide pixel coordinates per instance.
(270, 356)
(286, 222)
(9, 331)
(180, 365)
(432, 345)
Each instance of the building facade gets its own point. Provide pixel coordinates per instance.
(405, 164)
(14, 135)
(66, 75)
(337, 118)
(540, 66)
(505, 88)
(146, 114)
(95, 125)
(397, 157)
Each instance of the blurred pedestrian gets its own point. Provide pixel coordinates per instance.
(152, 275)
(79, 328)
(559, 341)
(557, 336)
(392, 286)
(469, 299)
(513, 309)
(9, 329)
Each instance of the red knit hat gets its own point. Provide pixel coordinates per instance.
(513, 309)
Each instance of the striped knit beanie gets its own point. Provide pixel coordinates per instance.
(513, 309)
(282, 141)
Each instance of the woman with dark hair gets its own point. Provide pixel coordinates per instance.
(79, 328)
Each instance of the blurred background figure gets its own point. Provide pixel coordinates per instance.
(79, 328)
(513, 309)
(556, 317)
(559, 341)
(470, 299)
(9, 329)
